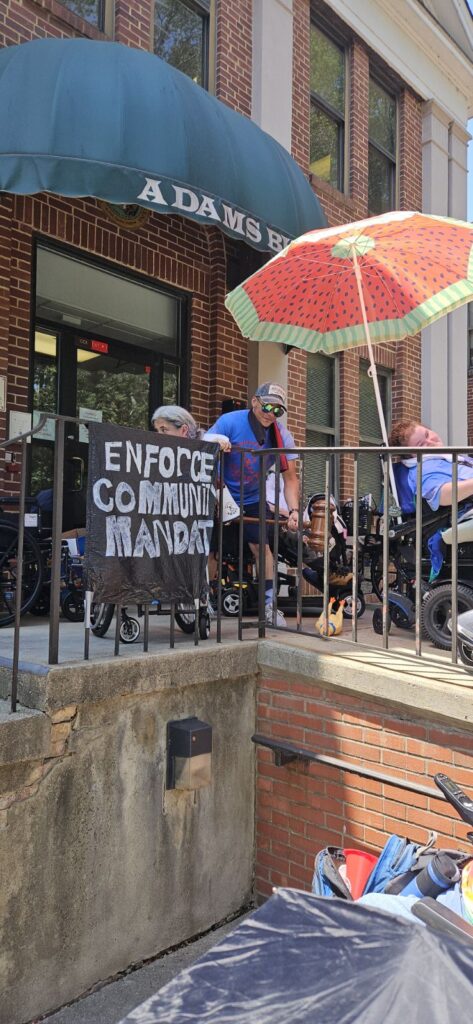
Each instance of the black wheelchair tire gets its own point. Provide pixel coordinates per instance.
(185, 621)
(130, 630)
(378, 621)
(101, 616)
(72, 607)
(436, 609)
(32, 557)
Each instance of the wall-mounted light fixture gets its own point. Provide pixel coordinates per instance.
(189, 754)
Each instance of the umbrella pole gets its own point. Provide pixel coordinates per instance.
(374, 375)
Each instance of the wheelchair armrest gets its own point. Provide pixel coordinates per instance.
(442, 919)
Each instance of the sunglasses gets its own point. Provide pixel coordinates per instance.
(277, 410)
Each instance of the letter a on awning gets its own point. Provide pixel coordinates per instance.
(86, 118)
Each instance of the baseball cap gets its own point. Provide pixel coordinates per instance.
(271, 392)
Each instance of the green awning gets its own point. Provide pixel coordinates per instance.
(86, 118)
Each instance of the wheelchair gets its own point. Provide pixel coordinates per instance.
(340, 577)
(436, 606)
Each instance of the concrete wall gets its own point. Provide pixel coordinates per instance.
(101, 867)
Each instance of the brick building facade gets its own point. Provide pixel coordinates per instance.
(301, 808)
(196, 261)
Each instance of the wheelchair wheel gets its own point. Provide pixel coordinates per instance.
(376, 573)
(347, 597)
(204, 625)
(378, 621)
(231, 601)
(101, 616)
(130, 630)
(185, 621)
(72, 607)
(32, 578)
(436, 613)
(465, 653)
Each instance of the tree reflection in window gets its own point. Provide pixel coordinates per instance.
(181, 36)
(90, 10)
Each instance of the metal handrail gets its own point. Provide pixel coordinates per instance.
(285, 753)
(329, 454)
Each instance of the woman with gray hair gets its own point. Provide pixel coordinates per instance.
(178, 422)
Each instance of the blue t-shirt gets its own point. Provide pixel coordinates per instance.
(237, 427)
(435, 473)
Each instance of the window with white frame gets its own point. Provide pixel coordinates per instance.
(327, 108)
(181, 36)
(369, 472)
(382, 132)
(322, 412)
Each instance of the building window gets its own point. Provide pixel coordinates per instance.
(327, 108)
(381, 150)
(181, 36)
(370, 472)
(322, 418)
(92, 11)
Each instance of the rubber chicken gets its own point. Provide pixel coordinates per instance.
(333, 623)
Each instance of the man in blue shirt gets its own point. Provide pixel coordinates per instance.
(255, 428)
(436, 469)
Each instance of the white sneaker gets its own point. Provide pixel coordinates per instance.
(280, 620)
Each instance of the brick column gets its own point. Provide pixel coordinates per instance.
(358, 125)
(234, 54)
(133, 23)
(407, 378)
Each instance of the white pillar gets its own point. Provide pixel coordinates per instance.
(272, 111)
(444, 343)
(457, 321)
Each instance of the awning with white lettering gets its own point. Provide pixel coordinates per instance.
(86, 118)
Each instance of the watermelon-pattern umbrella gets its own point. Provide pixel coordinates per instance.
(373, 281)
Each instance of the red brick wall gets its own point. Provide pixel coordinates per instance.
(234, 54)
(21, 21)
(133, 23)
(302, 809)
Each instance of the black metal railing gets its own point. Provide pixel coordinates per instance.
(382, 550)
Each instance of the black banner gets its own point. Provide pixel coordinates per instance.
(150, 509)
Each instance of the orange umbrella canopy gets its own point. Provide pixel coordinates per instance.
(412, 268)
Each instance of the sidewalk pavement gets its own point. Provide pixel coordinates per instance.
(112, 1002)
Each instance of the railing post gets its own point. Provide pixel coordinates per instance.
(277, 484)
(386, 553)
(300, 535)
(454, 557)
(418, 556)
(354, 564)
(58, 492)
(327, 532)
(240, 551)
(262, 552)
(221, 470)
(19, 578)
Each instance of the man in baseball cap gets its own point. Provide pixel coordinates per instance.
(272, 393)
(255, 428)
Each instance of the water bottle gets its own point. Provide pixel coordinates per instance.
(439, 874)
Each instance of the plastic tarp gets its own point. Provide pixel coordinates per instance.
(303, 958)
